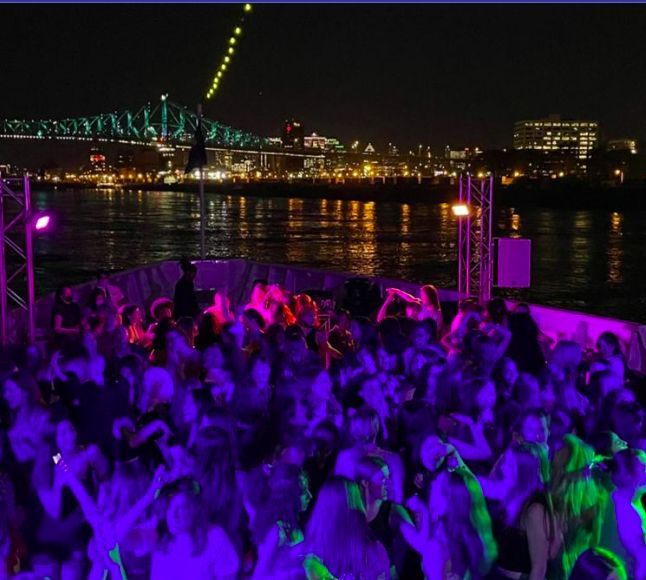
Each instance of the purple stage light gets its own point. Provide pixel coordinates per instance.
(42, 223)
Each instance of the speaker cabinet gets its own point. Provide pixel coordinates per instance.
(512, 262)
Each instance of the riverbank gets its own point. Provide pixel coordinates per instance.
(568, 195)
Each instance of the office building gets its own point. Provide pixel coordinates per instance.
(573, 138)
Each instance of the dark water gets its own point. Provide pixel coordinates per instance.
(588, 260)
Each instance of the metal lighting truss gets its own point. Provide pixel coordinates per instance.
(475, 249)
(17, 274)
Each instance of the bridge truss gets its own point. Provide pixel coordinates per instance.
(166, 122)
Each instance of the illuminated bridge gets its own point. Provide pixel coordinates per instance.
(166, 123)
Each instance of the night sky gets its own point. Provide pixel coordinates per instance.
(431, 74)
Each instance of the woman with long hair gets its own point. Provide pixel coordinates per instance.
(277, 528)
(427, 306)
(525, 526)
(188, 546)
(454, 533)
(124, 501)
(28, 419)
(384, 516)
(133, 325)
(610, 353)
(578, 499)
(62, 533)
(524, 346)
(215, 470)
(338, 539)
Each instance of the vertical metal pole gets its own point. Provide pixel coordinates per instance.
(482, 249)
(468, 235)
(202, 217)
(489, 238)
(202, 205)
(3, 272)
(29, 253)
(460, 243)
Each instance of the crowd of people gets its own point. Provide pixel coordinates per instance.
(271, 439)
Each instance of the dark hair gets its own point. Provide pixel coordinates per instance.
(96, 292)
(102, 274)
(497, 310)
(612, 340)
(58, 297)
(281, 503)
(261, 281)
(187, 266)
(199, 528)
(597, 564)
(255, 316)
(432, 294)
(126, 314)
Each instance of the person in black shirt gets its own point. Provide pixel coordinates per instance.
(185, 300)
(66, 317)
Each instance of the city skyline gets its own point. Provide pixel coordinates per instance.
(436, 75)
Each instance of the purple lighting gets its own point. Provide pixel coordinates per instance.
(42, 223)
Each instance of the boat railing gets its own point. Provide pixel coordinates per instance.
(235, 276)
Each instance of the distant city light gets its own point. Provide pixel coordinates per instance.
(460, 210)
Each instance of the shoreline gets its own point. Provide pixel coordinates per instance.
(570, 195)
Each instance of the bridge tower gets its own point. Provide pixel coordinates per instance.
(164, 117)
(475, 250)
(17, 274)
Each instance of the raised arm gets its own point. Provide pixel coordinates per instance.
(479, 450)
(405, 295)
(51, 496)
(65, 475)
(156, 427)
(383, 310)
(125, 523)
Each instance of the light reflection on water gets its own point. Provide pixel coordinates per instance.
(585, 259)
